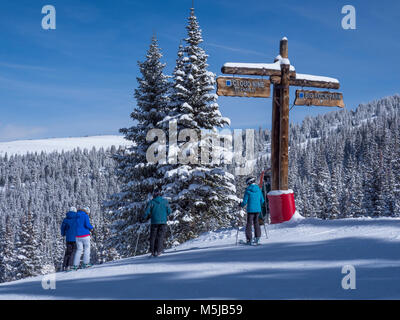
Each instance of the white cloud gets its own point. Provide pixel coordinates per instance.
(24, 67)
(240, 50)
(11, 132)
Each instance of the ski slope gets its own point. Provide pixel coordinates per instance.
(22, 147)
(301, 259)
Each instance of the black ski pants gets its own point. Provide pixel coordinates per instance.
(69, 255)
(252, 219)
(157, 234)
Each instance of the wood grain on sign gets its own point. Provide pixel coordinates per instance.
(307, 83)
(319, 98)
(249, 71)
(243, 87)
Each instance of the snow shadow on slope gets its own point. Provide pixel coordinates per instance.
(292, 270)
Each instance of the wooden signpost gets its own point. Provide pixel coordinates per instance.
(243, 87)
(282, 76)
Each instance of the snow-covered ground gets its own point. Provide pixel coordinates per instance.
(301, 259)
(22, 147)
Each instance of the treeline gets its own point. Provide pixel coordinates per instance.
(347, 163)
(36, 191)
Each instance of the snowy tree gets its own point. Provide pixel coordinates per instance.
(7, 255)
(28, 248)
(202, 195)
(321, 186)
(138, 176)
(333, 202)
(200, 82)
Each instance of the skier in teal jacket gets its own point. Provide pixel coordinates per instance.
(254, 200)
(159, 210)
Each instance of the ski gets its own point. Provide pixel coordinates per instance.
(242, 242)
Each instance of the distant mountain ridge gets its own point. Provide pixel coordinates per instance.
(22, 147)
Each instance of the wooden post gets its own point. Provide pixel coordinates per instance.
(283, 48)
(275, 137)
(284, 118)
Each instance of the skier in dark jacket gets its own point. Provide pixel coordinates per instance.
(266, 187)
(254, 200)
(159, 210)
(68, 230)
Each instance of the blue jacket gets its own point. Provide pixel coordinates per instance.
(68, 227)
(254, 199)
(159, 209)
(83, 225)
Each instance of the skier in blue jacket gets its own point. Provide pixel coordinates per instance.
(254, 200)
(83, 230)
(159, 210)
(68, 230)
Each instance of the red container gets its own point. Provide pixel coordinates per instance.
(281, 205)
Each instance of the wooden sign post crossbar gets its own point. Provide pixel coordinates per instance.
(283, 76)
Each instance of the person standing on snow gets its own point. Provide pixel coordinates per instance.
(83, 229)
(68, 230)
(254, 200)
(158, 209)
(266, 188)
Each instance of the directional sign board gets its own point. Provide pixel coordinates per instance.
(319, 98)
(243, 87)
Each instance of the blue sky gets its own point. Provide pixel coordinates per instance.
(79, 79)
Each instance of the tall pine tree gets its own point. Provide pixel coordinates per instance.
(138, 176)
(202, 193)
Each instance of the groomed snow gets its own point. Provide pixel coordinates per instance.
(301, 259)
(22, 147)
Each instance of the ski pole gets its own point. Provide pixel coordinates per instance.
(265, 228)
(137, 241)
(238, 227)
(237, 234)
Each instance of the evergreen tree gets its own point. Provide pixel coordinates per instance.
(7, 255)
(322, 190)
(28, 248)
(202, 195)
(333, 203)
(138, 176)
(200, 104)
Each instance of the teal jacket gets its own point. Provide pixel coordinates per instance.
(159, 210)
(253, 198)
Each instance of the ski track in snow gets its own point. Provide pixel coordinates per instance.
(301, 259)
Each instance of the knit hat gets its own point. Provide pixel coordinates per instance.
(157, 192)
(86, 209)
(250, 180)
(72, 209)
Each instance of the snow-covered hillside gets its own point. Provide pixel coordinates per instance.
(301, 259)
(59, 144)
